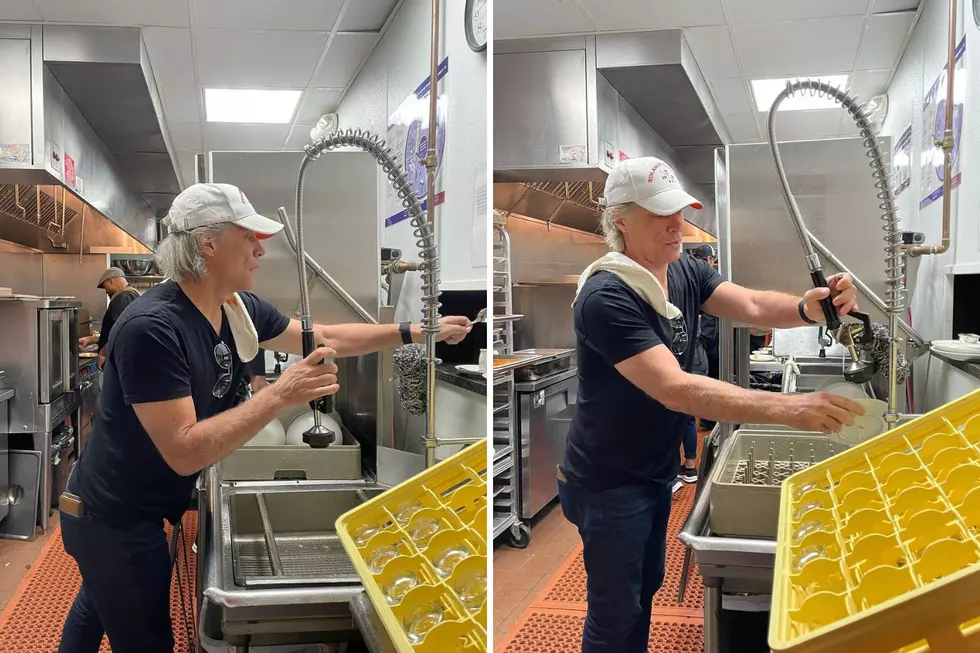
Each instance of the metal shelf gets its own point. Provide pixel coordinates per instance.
(503, 466)
(499, 451)
(502, 523)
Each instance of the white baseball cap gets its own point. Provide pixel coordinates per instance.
(201, 205)
(649, 182)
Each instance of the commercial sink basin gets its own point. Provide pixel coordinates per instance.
(300, 525)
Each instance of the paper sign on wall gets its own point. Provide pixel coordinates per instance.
(902, 162)
(69, 170)
(934, 127)
(408, 137)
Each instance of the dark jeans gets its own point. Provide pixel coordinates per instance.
(125, 587)
(690, 438)
(624, 532)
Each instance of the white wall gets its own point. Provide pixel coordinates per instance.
(399, 64)
(931, 300)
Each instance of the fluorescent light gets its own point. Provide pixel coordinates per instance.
(250, 106)
(766, 90)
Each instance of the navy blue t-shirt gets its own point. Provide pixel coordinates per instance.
(619, 434)
(161, 348)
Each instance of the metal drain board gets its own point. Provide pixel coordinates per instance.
(306, 559)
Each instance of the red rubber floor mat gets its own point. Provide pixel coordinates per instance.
(568, 589)
(33, 619)
(560, 631)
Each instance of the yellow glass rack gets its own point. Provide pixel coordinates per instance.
(420, 549)
(878, 546)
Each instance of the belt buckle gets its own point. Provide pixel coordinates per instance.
(71, 504)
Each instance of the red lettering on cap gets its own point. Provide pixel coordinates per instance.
(666, 174)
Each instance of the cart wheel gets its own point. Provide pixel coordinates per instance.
(519, 536)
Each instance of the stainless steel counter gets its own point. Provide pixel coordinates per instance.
(972, 368)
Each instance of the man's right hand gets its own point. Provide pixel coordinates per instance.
(821, 411)
(308, 379)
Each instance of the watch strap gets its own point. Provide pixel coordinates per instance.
(405, 329)
(802, 308)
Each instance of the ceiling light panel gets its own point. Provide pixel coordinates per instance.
(250, 105)
(766, 90)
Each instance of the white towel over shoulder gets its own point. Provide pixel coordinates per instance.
(636, 277)
(242, 328)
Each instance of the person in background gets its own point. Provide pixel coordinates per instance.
(167, 410)
(633, 312)
(121, 294)
(707, 333)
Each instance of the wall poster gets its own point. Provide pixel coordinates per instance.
(408, 138)
(933, 126)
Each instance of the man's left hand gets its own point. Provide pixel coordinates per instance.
(844, 292)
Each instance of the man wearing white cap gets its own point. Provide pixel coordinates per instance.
(173, 363)
(633, 313)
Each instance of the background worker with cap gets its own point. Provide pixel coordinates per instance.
(174, 362)
(633, 313)
(121, 295)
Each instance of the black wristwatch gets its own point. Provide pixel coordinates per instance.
(802, 307)
(405, 328)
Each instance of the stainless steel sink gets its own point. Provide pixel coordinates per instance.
(305, 545)
(309, 588)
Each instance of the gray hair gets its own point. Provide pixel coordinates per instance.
(610, 232)
(179, 256)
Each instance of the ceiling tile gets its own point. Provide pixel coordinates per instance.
(813, 47)
(315, 103)
(847, 125)
(652, 14)
(885, 6)
(20, 10)
(230, 137)
(742, 128)
(185, 135)
(258, 59)
(170, 54)
(514, 19)
(868, 83)
(882, 43)
(160, 13)
(180, 103)
(344, 56)
(299, 137)
(767, 11)
(805, 125)
(316, 15)
(366, 16)
(713, 50)
(731, 95)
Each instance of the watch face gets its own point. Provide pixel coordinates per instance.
(477, 25)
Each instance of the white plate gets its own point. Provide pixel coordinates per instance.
(470, 369)
(866, 426)
(963, 357)
(956, 345)
(762, 358)
(843, 389)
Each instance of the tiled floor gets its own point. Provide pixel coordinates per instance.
(16, 558)
(518, 575)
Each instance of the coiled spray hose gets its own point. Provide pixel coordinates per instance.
(894, 254)
(319, 435)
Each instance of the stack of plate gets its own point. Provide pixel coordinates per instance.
(957, 349)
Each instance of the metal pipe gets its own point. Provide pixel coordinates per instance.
(430, 207)
(946, 143)
(442, 441)
(324, 276)
(917, 339)
(270, 539)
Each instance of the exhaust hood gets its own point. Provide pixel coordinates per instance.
(85, 164)
(568, 108)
